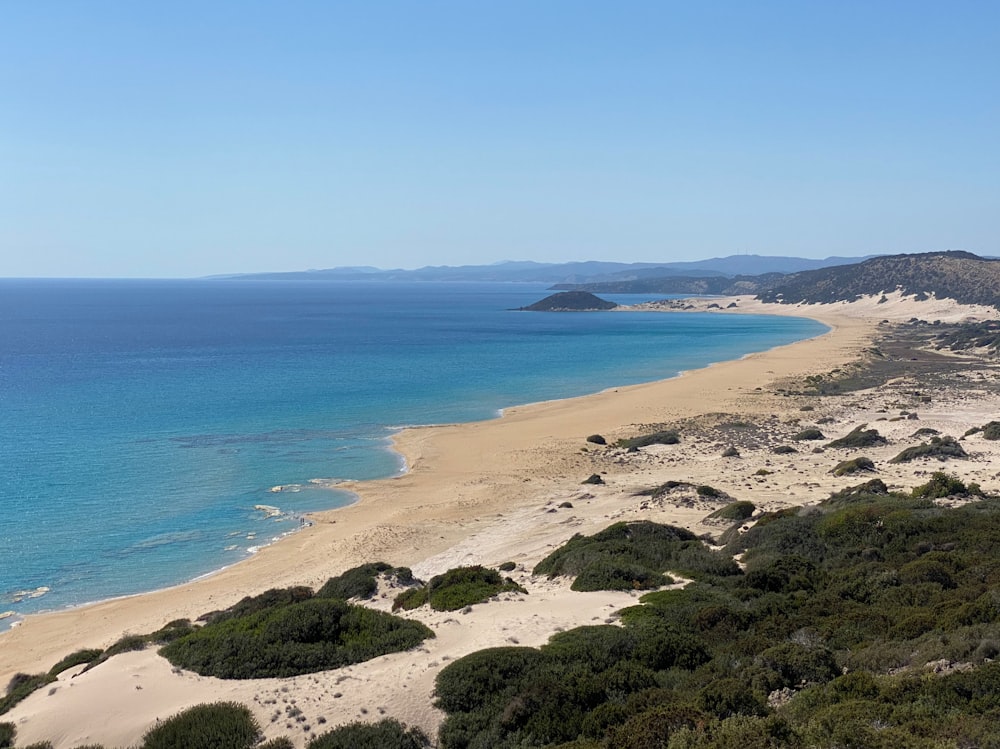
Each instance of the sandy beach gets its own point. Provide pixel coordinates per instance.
(511, 489)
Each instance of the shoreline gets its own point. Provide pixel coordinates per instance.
(507, 489)
(99, 623)
(391, 445)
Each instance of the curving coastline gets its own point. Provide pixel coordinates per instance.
(472, 492)
(437, 458)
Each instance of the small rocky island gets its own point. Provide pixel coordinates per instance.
(570, 301)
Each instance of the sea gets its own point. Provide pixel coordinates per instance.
(146, 426)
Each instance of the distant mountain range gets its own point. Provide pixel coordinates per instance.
(564, 273)
(957, 275)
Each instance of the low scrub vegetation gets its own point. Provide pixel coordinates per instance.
(456, 589)
(667, 437)
(852, 466)
(221, 725)
(22, 685)
(735, 511)
(76, 659)
(860, 437)
(839, 609)
(633, 556)
(940, 448)
(362, 582)
(386, 734)
(316, 634)
(808, 435)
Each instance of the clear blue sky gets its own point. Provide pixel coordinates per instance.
(190, 138)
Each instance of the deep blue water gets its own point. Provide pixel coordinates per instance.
(142, 421)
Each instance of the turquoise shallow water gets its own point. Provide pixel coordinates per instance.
(141, 422)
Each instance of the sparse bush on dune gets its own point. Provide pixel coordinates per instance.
(859, 437)
(667, 437)
(220, 725)
(735, 511)
(854, 465)
(316, 634)
(75, 659)
(941, 448)
(808, 435)
(362, 582)
(8, 732)
(457, 588)
(386, 734)
(628, 556)
(21, 686)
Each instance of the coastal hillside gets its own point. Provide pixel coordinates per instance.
(717, 285)
(962, 276)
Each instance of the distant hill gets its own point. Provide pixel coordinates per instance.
(716, 285)
(584, 272)
(961, 276)
(570, 301)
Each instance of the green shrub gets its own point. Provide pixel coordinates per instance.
(656, 438)
(709, 492)
(287, 640)
(662, 489)
(220, 725)
(362, 582)
(633, 556)
(943, 485)
(796, 664)
(784, 450)
(8, 732)
(471, 682)
(738, 732)
(386, 734)
(991, 431)
(596, 439)
(410, 599)
(652, 729)
(808, 435)
(941, 448)
(726, 697)
(171, 631)
(282, 742)
(735, 511)
(507, 567)
(854, 465)
(860, 437)
(609, 575)
(75, 659)
(21, 686)
(269, 599)
(458, 588)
